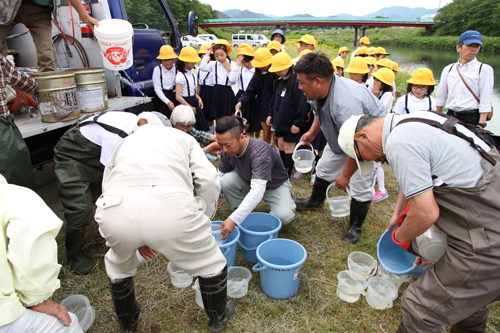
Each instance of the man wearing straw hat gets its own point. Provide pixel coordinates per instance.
(451, 177)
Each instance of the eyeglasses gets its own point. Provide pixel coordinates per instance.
(356, 148)
(182, 126)
(420, 87)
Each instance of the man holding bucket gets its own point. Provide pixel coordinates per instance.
(334, 101)
(451, 177)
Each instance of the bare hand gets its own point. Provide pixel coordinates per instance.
(422, 262)
(209, 49)
(194, 110)
(239, 59)
(227, 66)
(238, 106)
(227, 227)
(341, 182)
(200, 103)
(307, 137)
(269, 121)
(52, 308)
(392, 222)
(294, 129)
(171, 105)
(146, 252)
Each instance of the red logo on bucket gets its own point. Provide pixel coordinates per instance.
(116, 55)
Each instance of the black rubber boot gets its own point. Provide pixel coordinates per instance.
(126, 307)
(317, 198)
(78, 261)
(359, 210)
(289, 165)
(214, 295)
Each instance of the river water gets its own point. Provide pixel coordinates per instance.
(411, 58)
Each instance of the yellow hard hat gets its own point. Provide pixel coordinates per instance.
(308, 39)
(380, 50)
(370, 50)
(189, 54)
(203, 48)
(361, 51)
(166, 52)
(280, 62)
(262, 58)
(364, 40)
(370, 60)
(306, 51)
(338, 63)
(423, 76)
(343, 49)
(395, 66)
(385, 75)
(384, 63)
(225, 43)
(358, 65)
(274, 45)
(246, 49)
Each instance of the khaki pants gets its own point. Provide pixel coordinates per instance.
(167, 219)
(38, 20)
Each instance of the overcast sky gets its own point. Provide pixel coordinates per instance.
(317, 7)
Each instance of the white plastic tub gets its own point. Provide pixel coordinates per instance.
(179, 278)
(237, 281)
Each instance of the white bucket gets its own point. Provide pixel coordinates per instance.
(381, 293)
(114, 37)
(350, 286)
(179, 278)
(237, 281)
(396, 279)
(340, 206)
(303, 158)
(362, 263)
(80, 306)
(197, 297)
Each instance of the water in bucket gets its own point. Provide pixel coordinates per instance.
(179, 278)
(340, 206)
(396, 279)
(237, 281)
(114, 37)
(228, 248)
(350, 286)
(381, 293)
(362, 263)
(303, 158)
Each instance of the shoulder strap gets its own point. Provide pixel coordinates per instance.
(161, 77)
(430, 103)
(406, 104)
(107, 127)
(470, 90)
(187, 84)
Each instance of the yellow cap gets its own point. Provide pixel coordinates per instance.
(358, 65)
(225, 43)
(385, 75)
(203, 48)
(370, 50)
(306, 51)
(380, 50)
(343, 49)
(423, 76)
(189, 54)
(370, 60)
(246, 49)
(361, 51)
(384, 63)
(280, 62)
(262, 58)
(338, 63)
(364, 40)
(395, 66)
(166, 52)
(308, 39)
(274, 45)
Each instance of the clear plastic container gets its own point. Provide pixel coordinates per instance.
(216, 233)
(432, 244)
(381, 292)
(179, 278)
(197, 297)
(350, 286)
(80, 306)
(362, 263)
(237, 281)
(396, 279)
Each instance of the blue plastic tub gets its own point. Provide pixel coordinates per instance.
(280, 267)
(394, 259)
(228, 249)
(256, 229)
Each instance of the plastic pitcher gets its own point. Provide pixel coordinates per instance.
(350, 286)
(340, 206)
(396, 279)
(362, 263)
(255, 229)
(228, 248)
(114, 37)
(80, 306)
(237, 281)
(303, 158)
(381, 293)
(432, 244)
(179, 278)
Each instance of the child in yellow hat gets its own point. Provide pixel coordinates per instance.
(338, 66)
(419, 90)
(288, 108)
(274, 47)
(164, 81)
(306, 42)
(343, 53)
(358, 70)
(205, 87)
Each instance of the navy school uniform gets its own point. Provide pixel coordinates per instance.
(262, 97)
(206, 81)
(288, 107)
(189, 95)
(248, 109)
(168, 91)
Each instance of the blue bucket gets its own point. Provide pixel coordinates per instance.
(256, 229)
(280, 267)
(394, 259)
(228, 249)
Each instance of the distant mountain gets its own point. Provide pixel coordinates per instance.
(232, 13)
(249, 14)
(301, 16)
(221, 15)
(343, 16)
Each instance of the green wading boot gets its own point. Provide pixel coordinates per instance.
(78, 261)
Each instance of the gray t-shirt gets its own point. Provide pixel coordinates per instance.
(258, 161)
(421, 155)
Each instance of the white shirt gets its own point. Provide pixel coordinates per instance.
(387, 100)
(104, 138)
(244, 74)
(453, 93)
(295, 60)
(339, 57)
(168, 83)
(369, 83)
(222, 74)
(414, 104)
(181, 79)
(205, 78)
(354, 52)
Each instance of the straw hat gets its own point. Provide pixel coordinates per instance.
(343, 49)
(361, 51)
(189, 54)
(385, 75)
(274, 45)
(166, 53)
(246, 49)
(338, 63)
(262, 58)
(384, 63)
(358, 66)
(370, 60)
(280, 62)
(364, 40)
(308, 39)
(306, 51)
(226, 44)
(423, 76)
(380, 50)
(395, 67)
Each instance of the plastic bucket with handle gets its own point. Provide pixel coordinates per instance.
(255, 229)
(303, 158)
(114, 37)
(228, 248)
(340, 206)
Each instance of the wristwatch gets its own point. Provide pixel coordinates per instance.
(483, 125)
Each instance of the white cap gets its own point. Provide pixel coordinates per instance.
(346, 143)
(150, 117)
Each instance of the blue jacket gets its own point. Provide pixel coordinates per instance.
(290, 109)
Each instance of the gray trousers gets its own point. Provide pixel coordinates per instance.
(280, 200)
